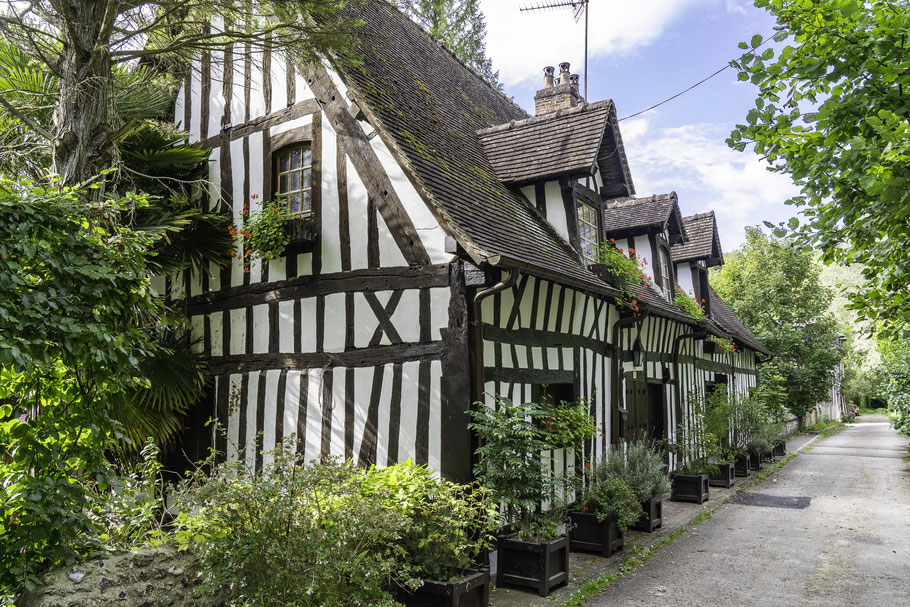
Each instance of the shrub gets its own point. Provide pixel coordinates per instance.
(448, 524)
(611, 496)
(294, 535)
(640, 464)
(509, 465)
(567, 425)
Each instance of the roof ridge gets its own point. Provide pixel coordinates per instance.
(616, 203)
(700, 215)
(442, 45)
(578, 109)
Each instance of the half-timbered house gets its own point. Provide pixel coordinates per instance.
(440, 256)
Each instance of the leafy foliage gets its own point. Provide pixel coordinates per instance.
(626, 272)
(689, 305)
(694, 441)
(102, 69)
(568, 425)
(448, 524)
(831, 112)
(610, 496)
(775, 290)
(265, 233)
(510, 465)
(75, 304)
(640, 464)
(896, 380)
(295, 535)
(460, 25)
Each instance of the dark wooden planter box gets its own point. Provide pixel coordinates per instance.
(768, 456)
(301, 229)
(690, 488)
(590, 535)
(652, 518)
(473, 590)
(725, 477)
(754, 462)
(780, 449)
(541, 566)
(741, 465)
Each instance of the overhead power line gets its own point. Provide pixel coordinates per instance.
(697, 84)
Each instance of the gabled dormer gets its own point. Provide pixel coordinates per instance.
(650, 226)
(693, 258)
(566, 160)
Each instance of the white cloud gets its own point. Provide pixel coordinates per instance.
(521, 44)
(695, 161)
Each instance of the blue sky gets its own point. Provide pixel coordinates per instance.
(639, 54)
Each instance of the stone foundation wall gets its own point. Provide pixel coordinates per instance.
(148, 577)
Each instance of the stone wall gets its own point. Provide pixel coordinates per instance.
(148, 577)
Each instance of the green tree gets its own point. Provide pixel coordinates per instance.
(774, 289)
(100, 53)
(461, 26)
(832, 113)
(76, 310)
(895, 378)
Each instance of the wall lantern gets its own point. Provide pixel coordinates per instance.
(637, 352)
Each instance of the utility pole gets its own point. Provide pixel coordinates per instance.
(578, 7)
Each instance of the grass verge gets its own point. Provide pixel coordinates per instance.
(639, 556)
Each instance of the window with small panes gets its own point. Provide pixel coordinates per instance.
(666, 281)
(294, 177)
(588, 231)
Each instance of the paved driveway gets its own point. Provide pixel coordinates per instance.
(847, 544)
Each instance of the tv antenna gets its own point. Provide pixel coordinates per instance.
(579, 8)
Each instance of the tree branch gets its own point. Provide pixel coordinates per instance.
(25, 119)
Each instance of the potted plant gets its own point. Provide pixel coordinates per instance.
(605, 508)
(640, 464)
(531, 551)
(692, 446)
(449, 526)
(719, 422)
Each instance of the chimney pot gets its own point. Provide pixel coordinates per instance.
(548, 76)
(557, 93)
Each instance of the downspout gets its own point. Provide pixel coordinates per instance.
(508, 283)
(616, 432)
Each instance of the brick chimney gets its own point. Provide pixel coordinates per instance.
(557, 93)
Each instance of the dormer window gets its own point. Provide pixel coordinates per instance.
(666, 282)
(294, 176)
(588, 231)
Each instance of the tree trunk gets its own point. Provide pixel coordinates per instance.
(82, 146)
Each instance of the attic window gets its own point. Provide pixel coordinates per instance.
(588, 229)
(666, 282)
(294, 176)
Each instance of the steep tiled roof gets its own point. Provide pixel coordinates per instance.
(724, 316)
(704, 241)
(629, 214)
(545, 147)
(429, 106)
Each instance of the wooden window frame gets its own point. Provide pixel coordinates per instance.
(664, 266)
(586, 197)
(277, 173)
